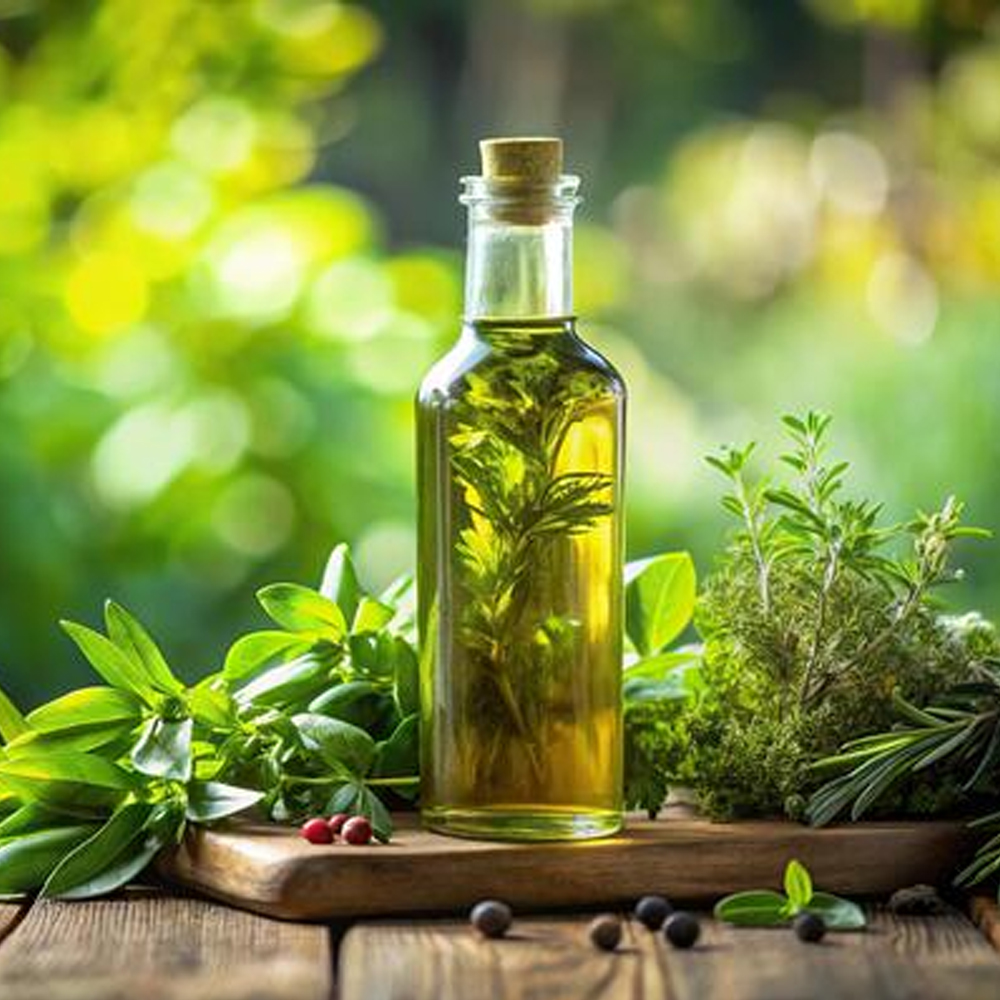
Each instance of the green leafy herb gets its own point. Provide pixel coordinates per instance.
(811, 618)
(958, 736)
(766, 908)
(96, 782)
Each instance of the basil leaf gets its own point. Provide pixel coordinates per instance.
(211, 706)
(290, 683)
(340, 581)
(659, 600)
(86, 707)
(75, 768)
(12, 722)
(257, 650)
(370, 805)
(109, 661)
(131, 637)
(25, 863)
(659, 677)
(357, 702)
(164, 749)
(77, 873)
(299, 609)
(370, 616)
(374, 655)
(798, 884)
(344, 797)
(399, 755)
(339, 743)
(838, 914)
(406, 678)
(29, 819)
(212, 800)
(82, 740)
(757, 908)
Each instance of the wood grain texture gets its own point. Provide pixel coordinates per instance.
(944, 958)
(986, 915)
(272, 870)
(10, 914)
(158, 947)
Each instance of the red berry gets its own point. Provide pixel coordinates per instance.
(316, 831)
(336, 822)
(357, 830)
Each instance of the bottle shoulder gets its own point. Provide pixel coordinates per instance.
(559, 363)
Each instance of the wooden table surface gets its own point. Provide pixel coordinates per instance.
(154, 944)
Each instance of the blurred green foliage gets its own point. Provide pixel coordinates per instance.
(209, 334)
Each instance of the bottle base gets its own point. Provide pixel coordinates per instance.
(522, 823)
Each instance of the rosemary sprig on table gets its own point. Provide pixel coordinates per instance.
(961, 732)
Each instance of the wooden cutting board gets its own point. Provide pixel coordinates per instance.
(271, 870)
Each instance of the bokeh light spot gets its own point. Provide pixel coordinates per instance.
(254, 515)
(216, 134)
(903, 298)
(850, 172)
(350, 300)
(106, 292)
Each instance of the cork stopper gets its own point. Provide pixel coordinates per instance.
(527, 161)
(523, 176)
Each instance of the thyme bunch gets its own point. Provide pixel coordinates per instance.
(814, 614)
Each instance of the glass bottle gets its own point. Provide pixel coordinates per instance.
(520, 474)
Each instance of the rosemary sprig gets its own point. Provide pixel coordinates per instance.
(506, 455)
(960, 732)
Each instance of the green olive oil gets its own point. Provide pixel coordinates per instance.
(520, 437)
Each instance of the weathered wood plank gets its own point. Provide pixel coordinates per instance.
(10, 913)
(272, 870)
(986, 916)
(161, 947)
(896, 959)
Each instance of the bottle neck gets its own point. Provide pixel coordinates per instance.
(519, 260)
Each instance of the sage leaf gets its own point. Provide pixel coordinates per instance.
(659, 600)
(340, 581)
(798, 884)
(838, 914)
(756, 908)
(340, 744)
(131, 637)
(255, 651)
(25, 862)
(299, 608)
(214, 800)
(12, 722)
(109, 661)
(164, 749)
(99, 853)
(86, 707)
